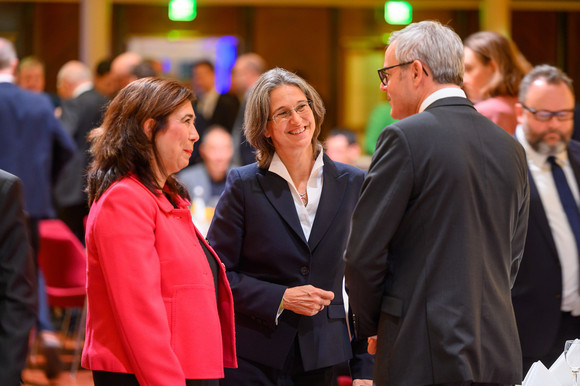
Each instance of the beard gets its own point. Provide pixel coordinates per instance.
(539, 145)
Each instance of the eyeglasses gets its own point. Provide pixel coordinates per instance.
(302, 108)
(384, 77)
(545, 115)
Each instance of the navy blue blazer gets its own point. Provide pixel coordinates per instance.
(537, 292)
(33, 145)
(257, 234)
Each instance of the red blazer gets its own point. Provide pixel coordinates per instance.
(152, 305)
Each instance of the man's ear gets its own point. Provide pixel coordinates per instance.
(417, 69)
(148, 127)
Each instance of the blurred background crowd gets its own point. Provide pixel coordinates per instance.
(79, 54)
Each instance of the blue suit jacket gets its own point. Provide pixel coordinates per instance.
(537, 292)
(33, 145)
(257, 234)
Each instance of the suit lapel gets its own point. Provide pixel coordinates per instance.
(538, 214)
(333, 189)
(574, 157)
(278, 193)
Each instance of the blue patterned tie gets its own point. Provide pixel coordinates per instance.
(567, 199)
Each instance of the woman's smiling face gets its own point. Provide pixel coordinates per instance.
(297, 129)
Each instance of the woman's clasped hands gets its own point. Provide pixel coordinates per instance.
(306, 299)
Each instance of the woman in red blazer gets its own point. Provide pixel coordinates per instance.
(160, 310)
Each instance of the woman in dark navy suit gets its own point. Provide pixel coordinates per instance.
(280, 228)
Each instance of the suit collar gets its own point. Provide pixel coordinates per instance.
(573, 150)
(333, 190)
(161, 200)
(537, 213)
(277, 192)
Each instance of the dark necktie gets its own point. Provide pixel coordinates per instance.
(567, 199)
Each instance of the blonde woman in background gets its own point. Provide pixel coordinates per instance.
(494, 68)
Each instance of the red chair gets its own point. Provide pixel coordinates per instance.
(344, 380)
(63, 262)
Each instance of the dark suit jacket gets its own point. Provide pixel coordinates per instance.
(17, 282)
(244, 152)
(436, 241)
(79, 116)
(225, 111)
(257, 234)
(537, 293)
(33, 145)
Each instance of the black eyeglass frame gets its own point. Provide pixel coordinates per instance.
(560, 115)
(384, 77)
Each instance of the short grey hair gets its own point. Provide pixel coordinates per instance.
(434, 44)
(551, 74)
(258, 111)
(75, 72)
(7, 54)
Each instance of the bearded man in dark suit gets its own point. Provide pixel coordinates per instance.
(439, 230)
(546, 294)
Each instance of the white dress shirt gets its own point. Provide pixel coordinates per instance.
(440, 94)
(562, 233)
(6, 78)
(207, 103)
(306, 214)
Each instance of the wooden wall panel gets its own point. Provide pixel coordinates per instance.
(535, 35)
(56, 37)
(298, 39)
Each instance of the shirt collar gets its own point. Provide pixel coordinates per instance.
(440, 94)
(278, 167)
(6, 78)
(82, 88)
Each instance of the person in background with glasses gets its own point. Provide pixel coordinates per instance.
(546, 294)
(280, 227)
(494, 68)
(438, 233)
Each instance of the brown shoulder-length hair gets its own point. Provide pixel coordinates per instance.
(120, 146)
(258, 111)
(512, 66)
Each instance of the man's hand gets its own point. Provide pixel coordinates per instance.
(372, 348)
(362, 382)
(306, 299)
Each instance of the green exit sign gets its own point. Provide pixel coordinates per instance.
(182, 10)
(398, 12)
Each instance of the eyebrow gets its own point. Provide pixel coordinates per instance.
(289, 108)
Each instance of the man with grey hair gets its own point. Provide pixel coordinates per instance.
(82, 109)
(546, 295)
(439, 230)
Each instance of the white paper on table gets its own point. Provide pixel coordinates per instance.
(560, 368)
(561, 371)
(539, 375)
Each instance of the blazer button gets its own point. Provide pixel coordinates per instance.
(304, 271)
(559, 296)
